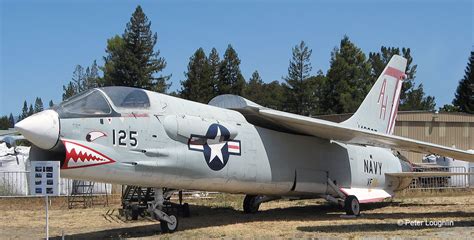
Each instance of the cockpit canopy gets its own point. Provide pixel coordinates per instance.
(105, 101)
(126, 97)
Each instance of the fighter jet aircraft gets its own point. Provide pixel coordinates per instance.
(132, 136)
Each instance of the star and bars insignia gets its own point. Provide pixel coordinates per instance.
(215, 145)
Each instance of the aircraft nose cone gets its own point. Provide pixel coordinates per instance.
(41, 129)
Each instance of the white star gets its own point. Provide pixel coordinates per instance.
(216, 147)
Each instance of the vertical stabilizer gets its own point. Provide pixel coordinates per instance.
(379, 109)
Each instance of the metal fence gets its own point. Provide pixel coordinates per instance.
(449, 182)
(16, 184)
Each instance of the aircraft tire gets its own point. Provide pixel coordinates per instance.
(168, 227)
(249, 204)
(352, 206)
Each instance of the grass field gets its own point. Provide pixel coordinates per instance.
(222, 217)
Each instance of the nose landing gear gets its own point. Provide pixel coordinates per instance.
(157, 208)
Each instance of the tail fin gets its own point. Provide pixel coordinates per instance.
(379, 109)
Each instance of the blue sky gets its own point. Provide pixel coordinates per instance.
(42, 41)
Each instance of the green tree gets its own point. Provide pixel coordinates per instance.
(449, 108)
(464, 96)
(69, 91)
(50, 104)
(131, 60)
(198, 85)
(31, 110)
(254, 89)
(231, 80)
(38, 105)
(297, 84)
(24, 111)
(274, 96)
(91, 77)
(11, 120)
(214, 63)
(412, 97)
(4, 123)
(348, 79)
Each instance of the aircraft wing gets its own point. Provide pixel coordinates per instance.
(293, 123)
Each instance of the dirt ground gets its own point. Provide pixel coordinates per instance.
(222, 217)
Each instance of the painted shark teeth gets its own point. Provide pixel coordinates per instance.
(78, 155)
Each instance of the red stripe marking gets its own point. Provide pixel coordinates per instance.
(393, 112)
(394, 73)
(395, 115)
(391, 108)
(234, 147)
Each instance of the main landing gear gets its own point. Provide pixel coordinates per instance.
(350, 203)
(252, 202)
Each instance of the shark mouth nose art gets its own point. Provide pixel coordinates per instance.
(78, 155)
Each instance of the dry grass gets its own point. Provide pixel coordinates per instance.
(221, 217)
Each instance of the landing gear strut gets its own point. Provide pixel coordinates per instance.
(157, 208)
(349, 203)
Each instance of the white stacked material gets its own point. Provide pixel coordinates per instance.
(13, 175)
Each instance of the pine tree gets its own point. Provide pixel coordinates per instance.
(24, 111)
(50, 104)
(198, 85)
(464, 96)
(348, 79)
(31, 111)
(231, 80)
(254, 89)
(69, 91)
(38, 105)
(131, 60)
(297, 84)
(214, 65)
(91, 77)
(78, 79)
(274, 96)
(410, 93)
(4, 123)
(11, 120)
(449, 108)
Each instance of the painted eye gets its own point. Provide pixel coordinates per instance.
(92, 136)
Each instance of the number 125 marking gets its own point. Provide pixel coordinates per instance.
(121, 138)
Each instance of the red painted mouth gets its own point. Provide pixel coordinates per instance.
(78, 156)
